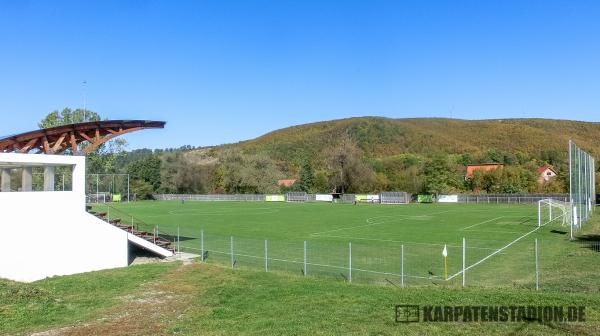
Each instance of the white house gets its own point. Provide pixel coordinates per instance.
(47, 233)
(546, 173)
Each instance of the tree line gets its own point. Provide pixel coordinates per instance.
(345, 165)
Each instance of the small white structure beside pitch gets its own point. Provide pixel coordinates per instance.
(47, 233)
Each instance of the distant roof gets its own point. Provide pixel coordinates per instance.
(57, 140)
(286, 183)
(482, 166)
(544, 168)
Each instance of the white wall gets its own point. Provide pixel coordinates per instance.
(49, 233)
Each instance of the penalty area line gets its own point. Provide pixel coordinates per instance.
(494, 253)
(487, 221)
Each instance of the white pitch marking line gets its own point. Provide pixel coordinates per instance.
(498, 251)
(517, 232)
(487, 221)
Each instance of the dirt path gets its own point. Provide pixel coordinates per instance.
(147, 311)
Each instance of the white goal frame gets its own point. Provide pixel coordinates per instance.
(555, 210)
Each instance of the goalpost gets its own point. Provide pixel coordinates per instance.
(551, 210)
(101, 188)
(395, 197)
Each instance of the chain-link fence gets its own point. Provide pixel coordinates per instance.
(387, 263)
(509, 198)
(107, 187)
(582, 184)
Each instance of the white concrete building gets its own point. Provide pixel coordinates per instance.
(48, 232)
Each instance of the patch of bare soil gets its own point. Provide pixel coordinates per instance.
(148, 311)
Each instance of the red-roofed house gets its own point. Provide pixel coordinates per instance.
(546, 174)
(286, 183)
(482, 166)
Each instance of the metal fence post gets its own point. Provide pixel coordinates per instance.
(202, 245)
(177, 238)
(572, 221)
(231, 250)
(305, 270)
(266, 257)
(350, 261)
(537, 265)
(539, 213)
(464, 262)
(402, 265)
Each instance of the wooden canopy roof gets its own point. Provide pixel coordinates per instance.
(56, 140)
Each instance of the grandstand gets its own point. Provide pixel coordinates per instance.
(61, 236)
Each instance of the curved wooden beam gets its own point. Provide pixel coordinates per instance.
(71, 137)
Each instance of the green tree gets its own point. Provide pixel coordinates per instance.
(348, 171)
(147, 170)
(440, 176)
(306, 181)
(249, 173)
(67, 116)
(141, 189)
(181, 175)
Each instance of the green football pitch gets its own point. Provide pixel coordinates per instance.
(391, 244)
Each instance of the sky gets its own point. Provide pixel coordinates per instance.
(226, 71)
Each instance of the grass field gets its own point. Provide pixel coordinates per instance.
(213, 299)
(500, 235)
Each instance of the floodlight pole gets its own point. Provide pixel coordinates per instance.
(571, 183)
(579, 175)
(84, 101)
(585, 185)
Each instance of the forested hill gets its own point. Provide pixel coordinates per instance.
(382, 137)
(371, 154)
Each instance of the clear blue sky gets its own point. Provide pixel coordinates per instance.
(223, 71)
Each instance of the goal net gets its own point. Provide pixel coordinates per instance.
(395, 197)
(553, 211)
(296, 197)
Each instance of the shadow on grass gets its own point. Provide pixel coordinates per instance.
(590, 241)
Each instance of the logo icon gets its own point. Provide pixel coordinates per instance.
(407, 313)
